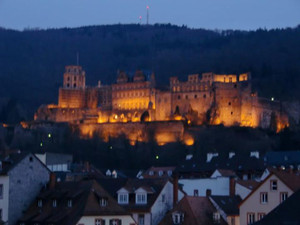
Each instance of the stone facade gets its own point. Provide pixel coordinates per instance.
(203, 99)
(21, 184)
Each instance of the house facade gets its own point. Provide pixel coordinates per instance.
(272, 191)
(21, 178)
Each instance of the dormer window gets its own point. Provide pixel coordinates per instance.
(123, 198)
(103, 202)
(40, 203)
(141, 198)
(160, 173)
(151, 173)
(54, 203)
(70, 203)
(177, 217)
(169, 173)
(216, 217)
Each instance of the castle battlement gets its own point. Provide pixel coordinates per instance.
(208, 98)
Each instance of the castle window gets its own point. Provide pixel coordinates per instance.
(230, 79)
(74, 85)
(68, 85)
(178, 96)
(231, 113)
(68, 79)
(186, 97)
(204, 96)
(195, 96)
(235, 86)
(75, 78)
(224, 79)
(229, 103)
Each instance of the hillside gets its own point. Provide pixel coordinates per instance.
(32, 62)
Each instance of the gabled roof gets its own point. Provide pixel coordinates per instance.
(9, 162)
(229, 204)
(250, 184)
(152, 186)
(291, 180)
(226, 172)
(85, 196)
(196, 210)
(286, 213)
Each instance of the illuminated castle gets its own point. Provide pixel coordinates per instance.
(202, 99)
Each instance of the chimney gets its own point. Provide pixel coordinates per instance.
(231, 154)
(208, 192)
(52, 181)
(254, 154)
(232, 186)
(175, 189)
(210, 155)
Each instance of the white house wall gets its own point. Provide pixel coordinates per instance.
(218, 186)
(4, 180)
(90, 220)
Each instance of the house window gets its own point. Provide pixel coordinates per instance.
(283, 196)
(1, 191)
(163, 197)
(40, 203)
(250, 218)
(263, 197)
(54, 203)
(273, 185)
(151, 173)
(99, 222)
(115, 222)
(141, 198)
(69, 203)
(216, 217)
(103, 202)
(141, 219)
(177, 217)
(260, 216)
(169, 173)
(196, 192)
(123, 198)
(160, 173)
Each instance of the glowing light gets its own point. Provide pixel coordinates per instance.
(272, 99)
(110, 147)
(41, 144)
(157, 157)
(49, 135)
(115, 117)
(147, 6)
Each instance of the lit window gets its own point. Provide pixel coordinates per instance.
(250, 218)
(169, 173)
(283, 196)
(160, 173)
(141, 198)
(123, 198)
(273, 185)
(151, 173)
(263, 197)
(69, 203)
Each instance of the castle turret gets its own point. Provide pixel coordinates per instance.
(74, 77)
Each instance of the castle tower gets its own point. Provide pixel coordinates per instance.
(74, 77)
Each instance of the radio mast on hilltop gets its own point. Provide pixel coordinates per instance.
(147, 14)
